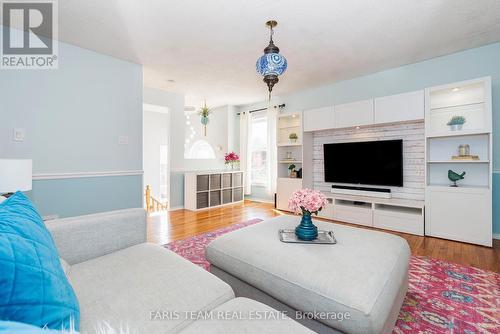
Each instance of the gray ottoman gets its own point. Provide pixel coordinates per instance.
(355, 286)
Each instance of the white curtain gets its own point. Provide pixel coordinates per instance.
(272, 163)
(245, 161)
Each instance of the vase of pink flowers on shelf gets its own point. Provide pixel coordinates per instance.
(306, 202)
(232, 160)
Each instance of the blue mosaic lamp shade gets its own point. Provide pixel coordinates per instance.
(271, 64)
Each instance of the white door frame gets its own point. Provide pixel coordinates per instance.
(164, 110)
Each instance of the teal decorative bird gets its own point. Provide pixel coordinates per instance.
(454, 177)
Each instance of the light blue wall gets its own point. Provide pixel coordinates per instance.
(469, 64)
(72, 197)
(73, 117)
(496, 204)
(176, 189)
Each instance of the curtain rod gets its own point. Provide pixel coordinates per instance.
(280, 106)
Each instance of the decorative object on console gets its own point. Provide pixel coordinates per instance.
(204, 112)
(463, 150)
(15, 174)
(271, 64)
(456, 123)
(464, 153)
(231, 159)
(293, 137)
(454, 177)
(293, 172)
(306, 202)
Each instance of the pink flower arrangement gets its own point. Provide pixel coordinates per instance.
(306, 201)
(231, 158)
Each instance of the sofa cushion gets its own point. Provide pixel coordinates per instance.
(243, 315)
(365, 274)
(33, 286)
(136, 287)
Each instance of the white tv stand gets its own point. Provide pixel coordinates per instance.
(394, 214)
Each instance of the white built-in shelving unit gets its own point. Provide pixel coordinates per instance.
(462, 213)
(286, 124)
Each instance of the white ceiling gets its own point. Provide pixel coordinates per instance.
(209, 47)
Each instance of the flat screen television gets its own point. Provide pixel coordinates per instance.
(377, 163)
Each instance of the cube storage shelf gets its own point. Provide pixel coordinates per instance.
(203, 190)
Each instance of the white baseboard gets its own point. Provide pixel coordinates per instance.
(76, 175)
(260, 200)
(175, 208)
(496, 236)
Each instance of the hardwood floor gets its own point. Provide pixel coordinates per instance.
(165, 227)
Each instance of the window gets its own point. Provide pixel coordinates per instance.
(201, 149)
(258, 148)
(196, 146)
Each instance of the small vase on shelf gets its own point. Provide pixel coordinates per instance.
(231, 160)
(456, 123)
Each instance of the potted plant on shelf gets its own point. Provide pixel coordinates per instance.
(306, 202)
(293, 172)
(293, 137)
(456, 123)
(231, 159)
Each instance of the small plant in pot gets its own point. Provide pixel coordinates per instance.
(293, 137)
(293, 172)
(456, 123)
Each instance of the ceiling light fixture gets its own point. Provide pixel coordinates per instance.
(271, 64)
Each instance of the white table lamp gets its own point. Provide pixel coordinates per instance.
(15, 174)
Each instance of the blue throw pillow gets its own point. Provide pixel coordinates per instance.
(33, 286)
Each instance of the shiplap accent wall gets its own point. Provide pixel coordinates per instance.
(412, 134)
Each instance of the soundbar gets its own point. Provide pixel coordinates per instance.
(362, 191)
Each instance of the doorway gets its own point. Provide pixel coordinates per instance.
(156, 157)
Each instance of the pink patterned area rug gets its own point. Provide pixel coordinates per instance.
(442, 297)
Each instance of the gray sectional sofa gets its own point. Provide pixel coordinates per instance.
(123, 281)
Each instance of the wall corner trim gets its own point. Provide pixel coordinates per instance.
(76, 175)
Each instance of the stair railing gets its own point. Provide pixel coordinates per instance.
(153, 204)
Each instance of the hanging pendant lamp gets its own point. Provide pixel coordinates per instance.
(271, 64)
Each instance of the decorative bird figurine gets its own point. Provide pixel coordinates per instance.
(454, 177)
